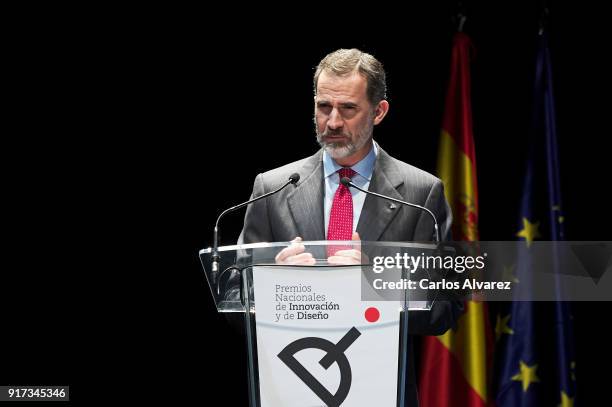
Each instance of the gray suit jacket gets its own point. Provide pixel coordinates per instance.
(298, 211)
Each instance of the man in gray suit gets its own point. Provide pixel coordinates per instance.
(350, 92)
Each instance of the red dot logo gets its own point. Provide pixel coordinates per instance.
(372, 314)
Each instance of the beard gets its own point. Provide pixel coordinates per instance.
(342, 149)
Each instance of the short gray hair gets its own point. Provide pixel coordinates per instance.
(344, 62)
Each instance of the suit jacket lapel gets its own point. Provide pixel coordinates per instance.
(377, 213)
(306, 201)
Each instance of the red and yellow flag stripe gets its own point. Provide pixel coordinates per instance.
(455, 366)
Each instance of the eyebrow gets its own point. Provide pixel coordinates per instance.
(343, 104)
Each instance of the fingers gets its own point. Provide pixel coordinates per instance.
(300, 259)
(355, 254)
(350, 256)
(289, 251)
(342, 260)
(295, 254)
(356, 237)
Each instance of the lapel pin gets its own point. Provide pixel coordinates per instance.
(392, 206)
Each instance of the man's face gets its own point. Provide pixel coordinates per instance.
(344, 117)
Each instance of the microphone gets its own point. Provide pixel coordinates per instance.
(293, 179)
(346, 181)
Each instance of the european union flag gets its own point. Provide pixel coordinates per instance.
(535, 359)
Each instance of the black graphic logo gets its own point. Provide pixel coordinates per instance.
(335, 353)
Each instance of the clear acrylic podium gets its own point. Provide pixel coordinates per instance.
(321, 334)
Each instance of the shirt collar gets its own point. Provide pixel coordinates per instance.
(365, 167)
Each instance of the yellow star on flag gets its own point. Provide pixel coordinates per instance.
(501, 327)
(530, 231)
(526, 375)
(560, 218)
(566, 401)
(509, 275)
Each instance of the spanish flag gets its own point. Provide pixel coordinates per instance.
(455, 366)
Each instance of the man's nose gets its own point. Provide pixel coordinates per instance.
(335, 120)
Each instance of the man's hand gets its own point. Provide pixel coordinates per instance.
(349, 256)
(295, 254)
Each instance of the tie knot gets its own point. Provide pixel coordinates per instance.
(346, 172)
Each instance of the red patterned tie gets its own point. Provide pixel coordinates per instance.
(341, 216)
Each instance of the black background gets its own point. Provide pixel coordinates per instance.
(133, 131)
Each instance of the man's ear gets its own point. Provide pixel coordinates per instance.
(381, 111)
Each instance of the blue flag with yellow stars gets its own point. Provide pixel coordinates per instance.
(534, 357)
